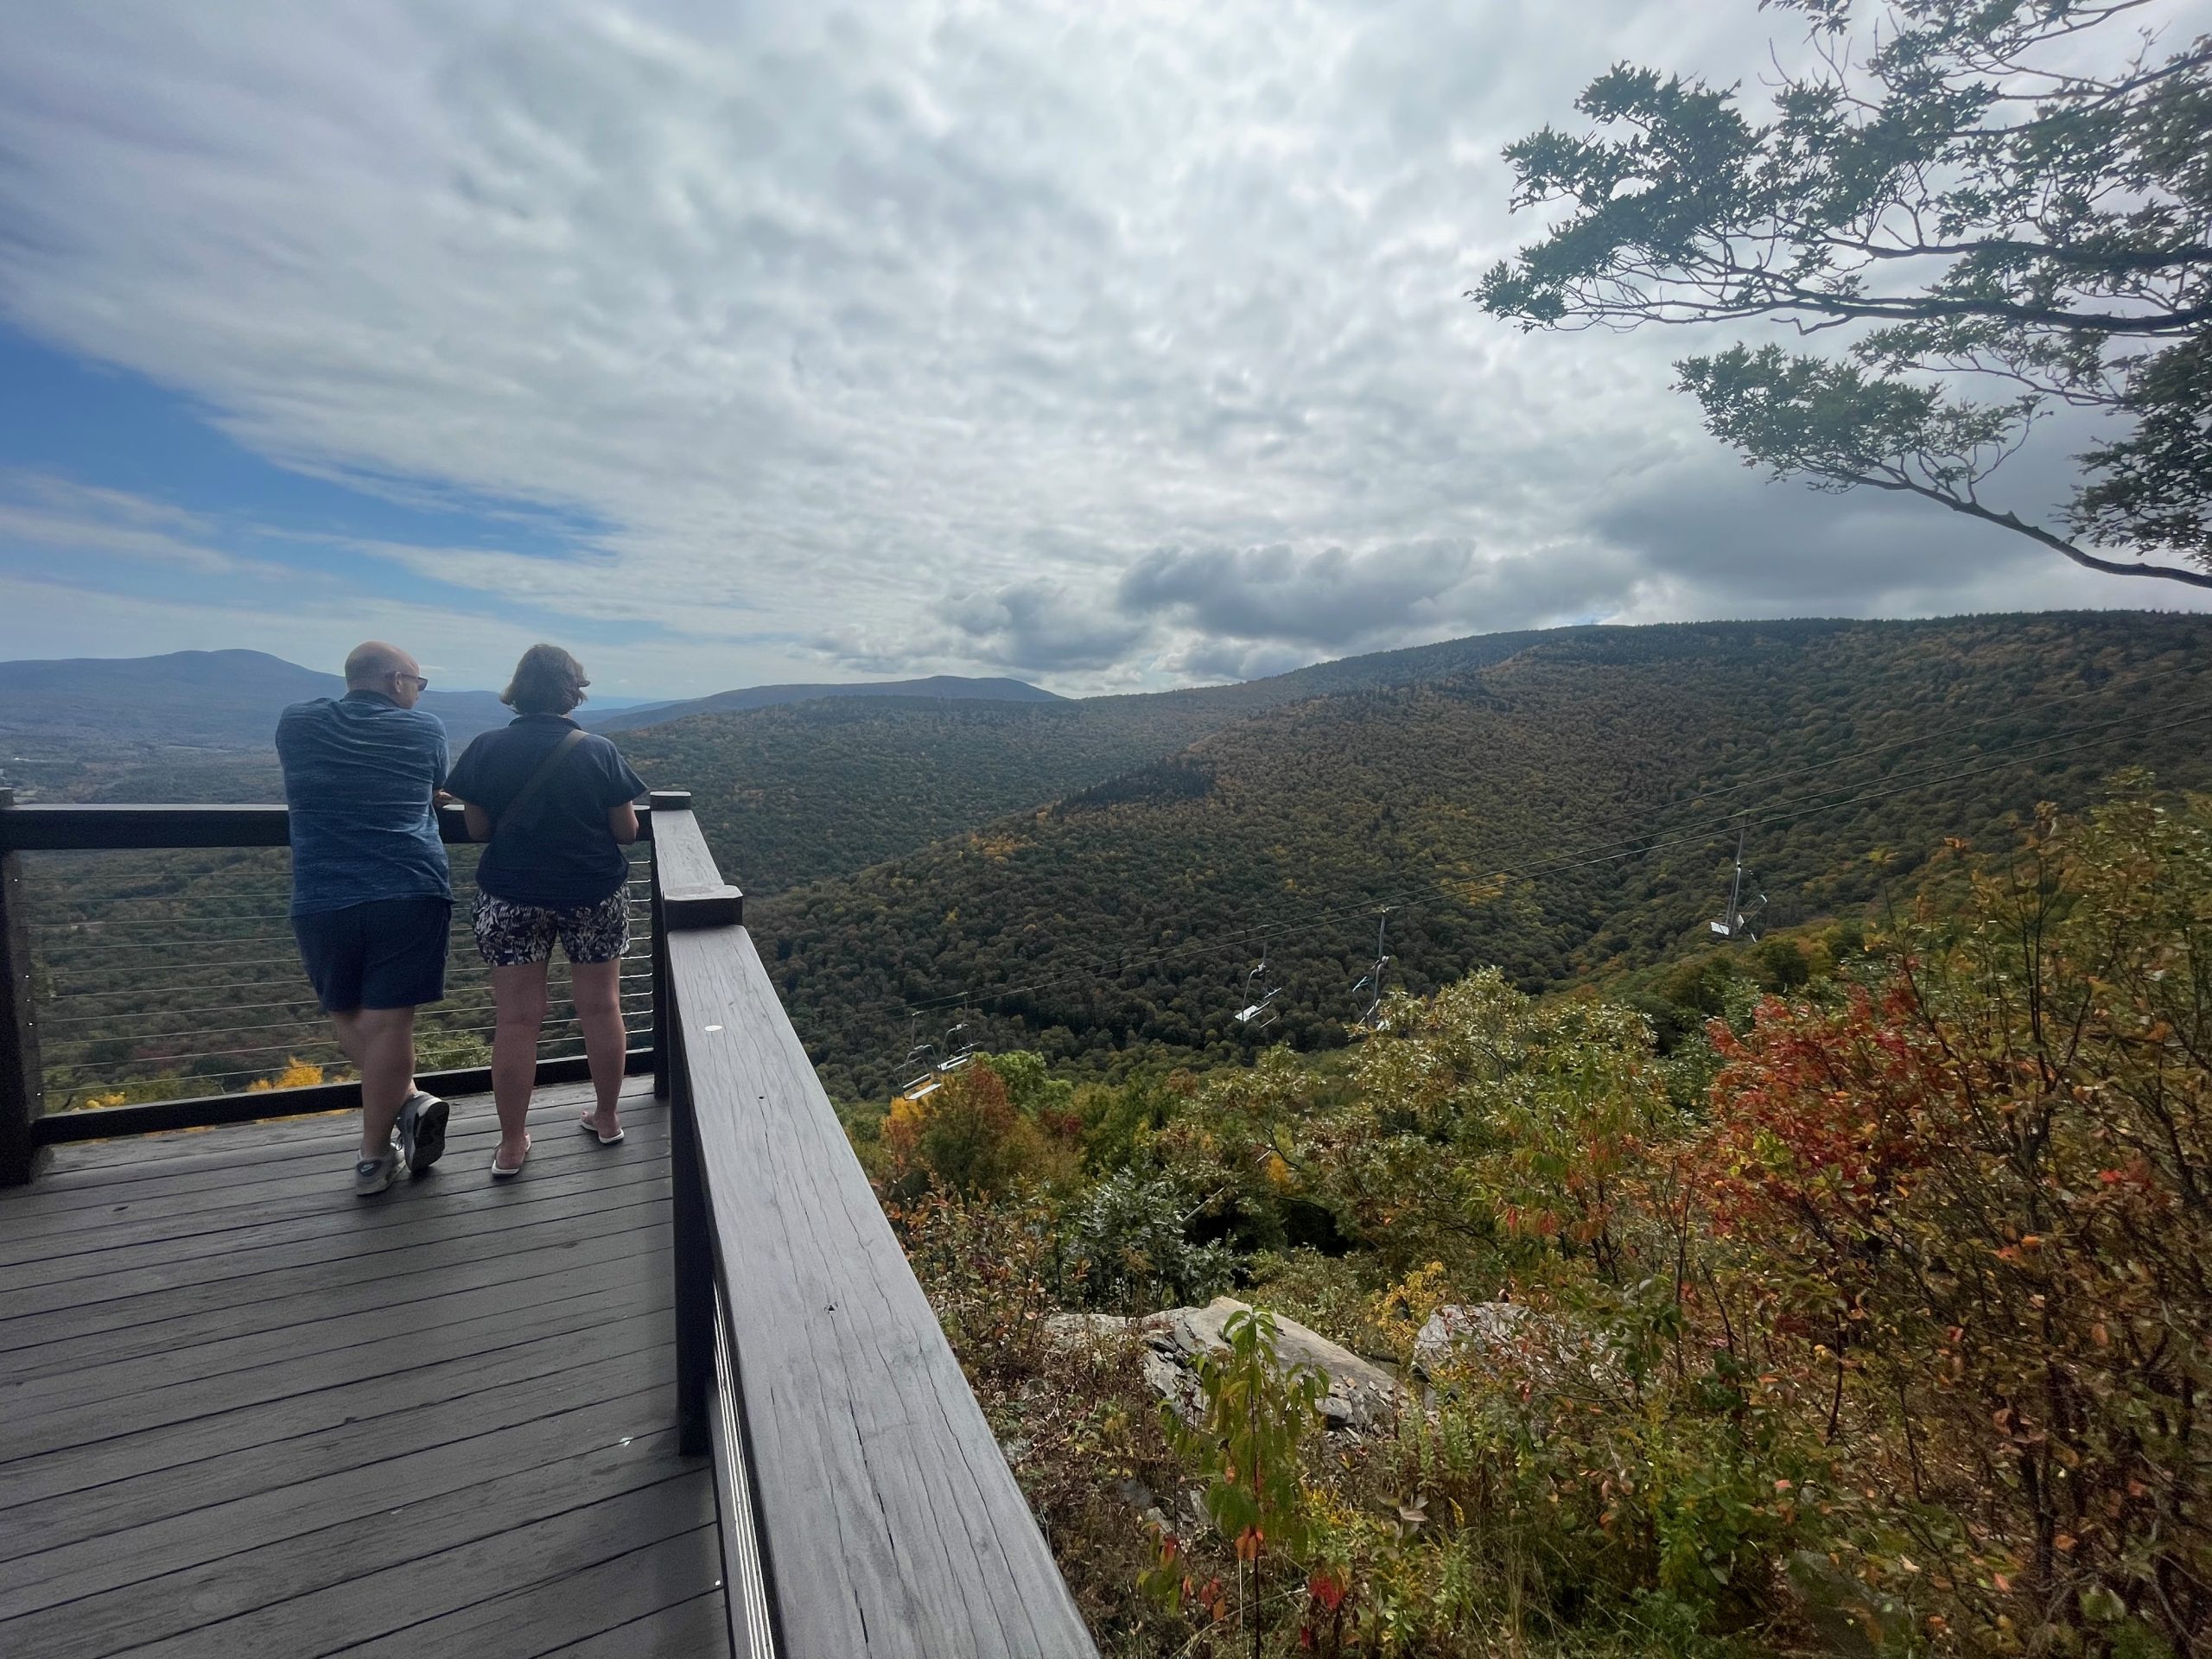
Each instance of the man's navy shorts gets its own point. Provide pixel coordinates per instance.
(389, 953)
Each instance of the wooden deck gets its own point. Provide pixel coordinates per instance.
(243, 1413)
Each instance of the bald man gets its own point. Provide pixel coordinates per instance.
(371, 899)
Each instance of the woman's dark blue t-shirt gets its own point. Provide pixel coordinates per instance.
(559, 852)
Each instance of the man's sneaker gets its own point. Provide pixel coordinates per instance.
(373, 1175)
(423, 1130)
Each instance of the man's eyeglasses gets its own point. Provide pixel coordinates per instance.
(421, 684)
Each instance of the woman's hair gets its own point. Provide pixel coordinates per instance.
(548, 680)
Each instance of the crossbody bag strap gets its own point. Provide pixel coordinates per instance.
(534, 786)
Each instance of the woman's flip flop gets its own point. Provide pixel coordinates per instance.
(588, 1127)
(499, 1172)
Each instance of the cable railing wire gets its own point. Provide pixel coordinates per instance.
(640, 903)
(294, 1025)
(640, 954)
(259, 1072)
(293, 1050)
(462, 932)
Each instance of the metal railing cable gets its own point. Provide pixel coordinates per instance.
(262, 984)
(433, 1010)
(461, 929)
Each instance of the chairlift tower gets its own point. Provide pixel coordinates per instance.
(1737, 924)
(1371, 981)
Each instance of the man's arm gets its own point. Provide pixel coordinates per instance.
(479, 821)
(621, 822)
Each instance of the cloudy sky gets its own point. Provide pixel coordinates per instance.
(1112, 346)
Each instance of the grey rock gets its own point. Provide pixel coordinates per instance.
(1462, 1332)
(1361, 1395)
(1070, 1328)
(1550, 1352)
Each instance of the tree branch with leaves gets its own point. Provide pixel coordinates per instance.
(1950, 191)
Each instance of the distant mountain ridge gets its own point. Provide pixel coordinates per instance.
(228, 701)
(220, 700)
(802, 791)
(948, 687)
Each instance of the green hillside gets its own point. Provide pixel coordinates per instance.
(799, 793)
(1305, 816)
(939, 687)
(803, 792)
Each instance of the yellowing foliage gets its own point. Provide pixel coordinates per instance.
(296, 1074)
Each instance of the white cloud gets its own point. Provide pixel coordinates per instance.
(59, 515)
(912, 330)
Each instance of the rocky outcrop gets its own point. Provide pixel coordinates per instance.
(1361, 1395)
(1506, 1336)
(1456, 1334)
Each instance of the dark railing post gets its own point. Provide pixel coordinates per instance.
(22, 1084)
(663, 801)
(694, 1250)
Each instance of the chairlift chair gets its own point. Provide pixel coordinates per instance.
(920, 1067)
(1737, 924)
(956, 1054)
(1258, 996)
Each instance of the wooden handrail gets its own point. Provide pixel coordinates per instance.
(881, 1514)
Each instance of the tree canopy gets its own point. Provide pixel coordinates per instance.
(1965, 202)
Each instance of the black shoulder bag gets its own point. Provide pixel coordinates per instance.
(534, 786)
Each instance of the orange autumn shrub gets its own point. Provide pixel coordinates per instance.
(966, 1136)
(1967, 1220)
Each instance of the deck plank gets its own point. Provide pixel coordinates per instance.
(130, 1304)
(138, 1156)
(699, 1625)
(403, 1215)
(245, 1413)
(466, 1317)
(200, 1195)
(653, 1595)
(156, 1495)
(172, 1334)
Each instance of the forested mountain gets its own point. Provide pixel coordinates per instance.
(799, 793)
(938, 687)
(1564, 810)
(91, 708)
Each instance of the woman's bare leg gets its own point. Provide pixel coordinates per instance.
(518, 996)
(596, 987)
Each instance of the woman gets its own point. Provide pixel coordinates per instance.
(554, 802)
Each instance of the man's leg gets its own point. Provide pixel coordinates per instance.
(596, 987)
(518, 995)
(381, 1044)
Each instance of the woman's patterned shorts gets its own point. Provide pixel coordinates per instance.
(510, 935)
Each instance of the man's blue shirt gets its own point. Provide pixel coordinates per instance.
(360, 774)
